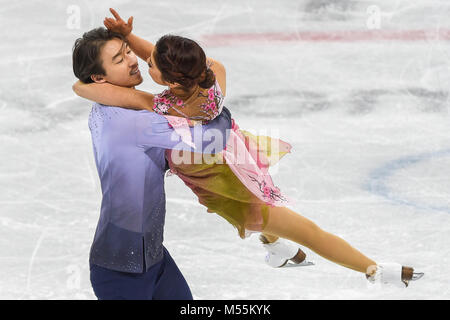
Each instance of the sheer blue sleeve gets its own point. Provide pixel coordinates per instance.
(153, 130)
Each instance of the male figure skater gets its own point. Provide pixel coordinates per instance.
(127, 257)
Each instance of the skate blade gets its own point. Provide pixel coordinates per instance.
(301, 264)
(417, 276)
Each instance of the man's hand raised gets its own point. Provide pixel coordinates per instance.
(118, 25)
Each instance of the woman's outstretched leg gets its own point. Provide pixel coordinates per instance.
(285, 223)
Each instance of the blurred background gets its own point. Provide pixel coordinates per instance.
(359, 88)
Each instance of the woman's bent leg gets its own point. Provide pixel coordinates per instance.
(285, 223)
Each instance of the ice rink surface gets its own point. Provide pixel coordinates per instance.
(359, 88)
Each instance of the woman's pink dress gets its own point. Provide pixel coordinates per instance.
(234, 183)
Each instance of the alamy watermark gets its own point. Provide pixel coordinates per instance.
(73, 281)
(80, 16)
(74, 17)
(373, 22)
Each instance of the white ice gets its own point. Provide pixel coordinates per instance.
(368, 121)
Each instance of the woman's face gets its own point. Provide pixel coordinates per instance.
(154, 71)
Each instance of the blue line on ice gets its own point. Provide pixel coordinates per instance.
(378, 178)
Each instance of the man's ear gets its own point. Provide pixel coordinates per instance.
(98, 78)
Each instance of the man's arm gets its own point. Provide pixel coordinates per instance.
(153, 130)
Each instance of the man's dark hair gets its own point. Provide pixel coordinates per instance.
(86, 53)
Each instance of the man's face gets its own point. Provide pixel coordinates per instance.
(120, 65)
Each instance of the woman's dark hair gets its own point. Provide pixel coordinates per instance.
(183, 61)
(86, 53)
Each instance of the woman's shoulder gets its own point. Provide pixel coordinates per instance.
(219, 71)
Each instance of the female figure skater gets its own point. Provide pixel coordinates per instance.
(243, 194)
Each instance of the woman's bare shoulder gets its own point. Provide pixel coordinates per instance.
(219, 70)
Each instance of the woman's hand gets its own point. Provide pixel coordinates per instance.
(118, 25)
(142, 48)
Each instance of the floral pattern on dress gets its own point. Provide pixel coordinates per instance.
(272, 194)
(166, 100)
(213, 102)
(208, 110)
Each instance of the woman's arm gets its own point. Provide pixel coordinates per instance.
(111, 95)
(141, 47)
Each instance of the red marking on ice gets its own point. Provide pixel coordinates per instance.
(326, 36)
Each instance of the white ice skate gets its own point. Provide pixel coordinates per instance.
(284, 254)
(395, 274)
